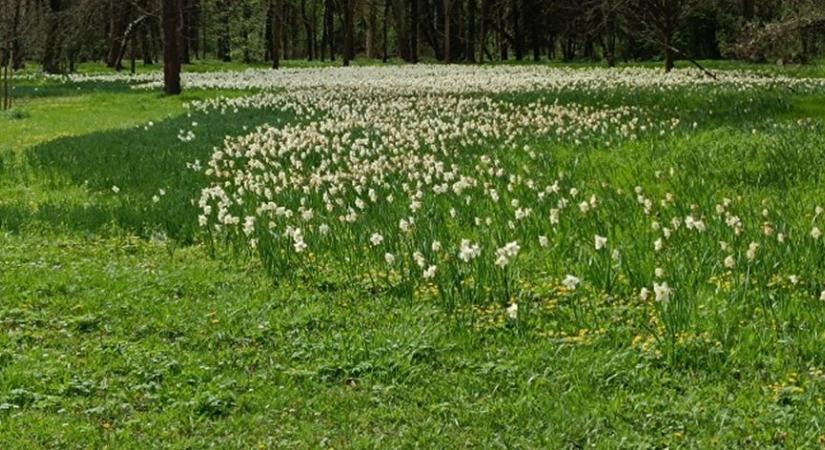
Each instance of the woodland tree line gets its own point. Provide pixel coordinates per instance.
(58, 34)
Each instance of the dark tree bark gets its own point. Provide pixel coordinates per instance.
(518, 35)
(224, 38)
(371, 35)
(748, 10)
(246, 13)
(172, 34)
(329, 28)
(413, 31)
(186, 6)
(349, 31)
(470, 49)
(485, 11)
(447, 37)
(277, 32)
(270, 17)
(51, 50)
(309, 28)
(533, 17)
(146, 44)
(191, 37)
(386, 21)
(18, 60)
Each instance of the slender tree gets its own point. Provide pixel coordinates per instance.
(277, 32)
(172, 33)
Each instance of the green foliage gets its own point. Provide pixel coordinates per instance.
(121, 328)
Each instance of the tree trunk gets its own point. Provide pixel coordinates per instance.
(224, 39)
(18, 60)
(51, 49)
(470, 43)
(518, 36)
(349, 31)
(669, 56)
(485, 10)
(194, 27)
(309, 28)
(372, 33)
(447, 36)
(385, 55)
(172, 33)
(329, 27)
(748, 10)
(277, 33)
(414, 22)
(246, 11)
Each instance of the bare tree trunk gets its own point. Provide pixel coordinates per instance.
(309, 27)
(224, 39)
(485, 8)
(6, 58)
(194, 27)
(172, 33)
(51, 49)
(447, 36)
(518, 36)
(246, 11)
(349, 31)
(329, 27)
(372, 34)
(18, 60)
(386, 49)
(471, 31)
(414, 31)
(748, 10)
(277, 33)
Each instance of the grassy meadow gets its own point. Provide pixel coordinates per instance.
(320, 260)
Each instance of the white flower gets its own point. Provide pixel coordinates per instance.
(155, 199)
(644, 293)
(504, 254)
(249, 225)
(793, 279)
(115, 189)
(419, 259)
(468, 251)
(376, 239)
(543, 241)
(662, 291)
(570, 282)
(299, 246)
(730, 262)
(389, 258)
(822, 296)
(429, 273)
(436, 246)
(751, 253)
(658, 245)
(659, 272)
(815, 233)
(512, 311)
(600, 242)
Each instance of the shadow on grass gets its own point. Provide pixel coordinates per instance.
(156, 190)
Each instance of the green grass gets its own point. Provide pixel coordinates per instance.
(121, 328)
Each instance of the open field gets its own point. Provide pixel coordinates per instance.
(414, 256)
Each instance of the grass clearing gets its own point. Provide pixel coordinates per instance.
(124, 325)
